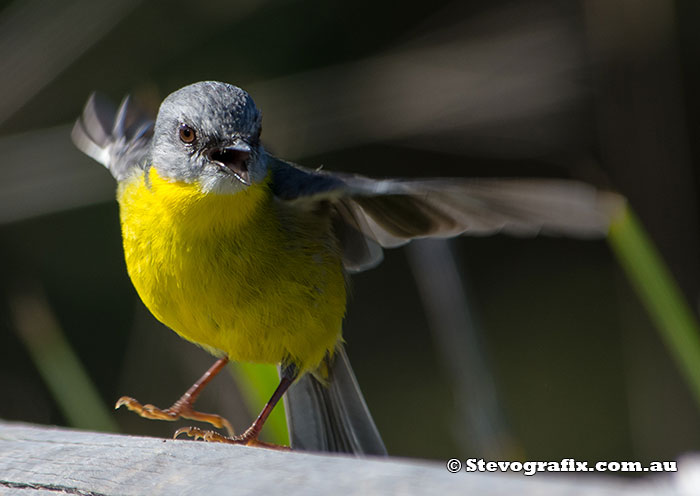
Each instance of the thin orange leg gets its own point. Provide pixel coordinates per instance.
(250, 436)
(183, 408)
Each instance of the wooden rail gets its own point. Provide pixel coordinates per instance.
(49, 461)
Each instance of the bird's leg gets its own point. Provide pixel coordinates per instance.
(250, 436)
(183, 408)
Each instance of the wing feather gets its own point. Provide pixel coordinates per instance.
(119, 138)
(391, 212)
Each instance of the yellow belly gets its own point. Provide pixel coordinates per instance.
(234, 273)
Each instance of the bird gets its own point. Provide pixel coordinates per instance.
(248, 255)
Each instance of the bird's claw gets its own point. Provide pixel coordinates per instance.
(179, 410)
(245, 439)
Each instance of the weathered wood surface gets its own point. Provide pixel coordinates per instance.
(37, 460)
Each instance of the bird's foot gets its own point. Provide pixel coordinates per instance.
(180, 409)
(248, 438)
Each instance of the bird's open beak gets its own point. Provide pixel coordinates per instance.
(233, 158)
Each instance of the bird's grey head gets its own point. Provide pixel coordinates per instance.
(209, 133)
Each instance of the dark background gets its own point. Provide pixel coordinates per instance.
(560, 359)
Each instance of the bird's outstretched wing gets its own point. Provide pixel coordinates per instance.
(376, 213)
(117, 138)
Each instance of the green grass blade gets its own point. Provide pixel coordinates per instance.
(660, 294)
(58, 365)
(257, 383)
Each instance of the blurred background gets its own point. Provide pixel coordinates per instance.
(534, 349)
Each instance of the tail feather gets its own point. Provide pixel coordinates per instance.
(331, 417)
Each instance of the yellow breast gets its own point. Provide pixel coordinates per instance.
(238, 273)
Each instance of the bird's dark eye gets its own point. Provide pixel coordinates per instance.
(187, 134)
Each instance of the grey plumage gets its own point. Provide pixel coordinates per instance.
(376, 213)
(220, 114)
(367, 215)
